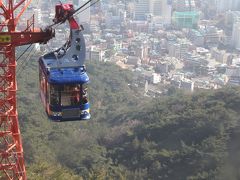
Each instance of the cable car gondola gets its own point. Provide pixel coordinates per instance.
(63, 78)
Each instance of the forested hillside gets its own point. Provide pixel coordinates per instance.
(130, 137)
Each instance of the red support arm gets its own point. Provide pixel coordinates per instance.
(65, 12)
(24, 38)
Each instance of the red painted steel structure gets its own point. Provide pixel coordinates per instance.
(11, 151)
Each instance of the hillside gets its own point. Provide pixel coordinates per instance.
(185, 137)
(129, 137)
(73, 145)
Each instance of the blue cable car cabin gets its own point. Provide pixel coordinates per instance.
(63, 77)
(63, 91)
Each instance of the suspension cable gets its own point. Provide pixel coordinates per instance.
(75, 11)
(25, 63)
(78, 12)
(78, 9)
(24, 67)
(21, 54)
(22, 62)
(24, 52)
(87, 7)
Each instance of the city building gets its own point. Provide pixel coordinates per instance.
(179, 81)
(112, 20)
(174, 50)
(236, 35)
(196, 37)
(166, 12)
(212, 35)
(219, 55)
(225, 5)
(156, 7)
(142, 8)
(144, 52)
(158, 11)
(184, 5)
(179, 48)
(233, 73)
(186, 19)
(195, 63)
(96, 54)
(156, 78)
(231, 17)
(187, 84)
(235, 5)
(162, 67)
(133, 60)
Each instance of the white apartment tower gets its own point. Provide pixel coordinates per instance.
(154, 7)
(185, 5)
(142, 8)
(236, 5)
(225, 5)
(166, 12)
(236, 35)
(157, 7)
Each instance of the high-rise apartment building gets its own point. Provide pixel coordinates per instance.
(184, 5)
(179, 48)
(223, 5)
(236, 35)
(156, 7)
(166, 11)
(160, 8)
(142, 8)
(187, 19)
(235, 5)
(226, 5)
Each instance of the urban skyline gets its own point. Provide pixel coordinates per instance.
(188, 44)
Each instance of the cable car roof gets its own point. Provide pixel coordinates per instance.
(68, 76)
(63, 75)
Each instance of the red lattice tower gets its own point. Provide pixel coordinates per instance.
(11, 151)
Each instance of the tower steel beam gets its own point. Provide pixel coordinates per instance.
(11, 151)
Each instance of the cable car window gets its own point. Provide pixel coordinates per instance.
(70, 95)
(54, 97)
(84, 93)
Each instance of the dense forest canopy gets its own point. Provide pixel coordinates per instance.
(129, 137)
